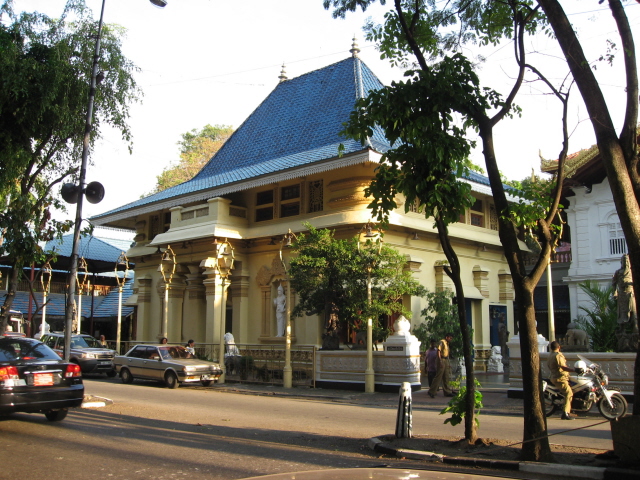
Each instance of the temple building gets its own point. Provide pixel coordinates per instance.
(281, 168)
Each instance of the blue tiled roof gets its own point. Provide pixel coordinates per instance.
(109, 305)
(106, 307)
(297, 124)
(91, 248)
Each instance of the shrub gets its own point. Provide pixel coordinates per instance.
(600, 319)
(441, 317)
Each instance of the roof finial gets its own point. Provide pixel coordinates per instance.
(283, 74)
(354, 49)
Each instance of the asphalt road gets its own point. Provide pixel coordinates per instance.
(151, 432)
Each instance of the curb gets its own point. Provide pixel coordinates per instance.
(91, 401)
(552, 469)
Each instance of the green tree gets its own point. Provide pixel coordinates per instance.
(46, 66)
(447, 89)
(196, 149)
(440, 317)
(619, 151)
(426, 165)
(331, 274)
(600, 319)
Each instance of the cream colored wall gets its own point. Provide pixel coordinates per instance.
(345, 210)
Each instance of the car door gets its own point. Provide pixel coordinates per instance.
(134, 361)
(53, 343)
(154, 365)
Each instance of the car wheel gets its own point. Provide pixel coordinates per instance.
(206, 383)
(125, 376)
(111, 373)
(171, 380)
(56, 415)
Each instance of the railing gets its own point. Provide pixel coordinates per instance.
(557, 257)
(256, 363)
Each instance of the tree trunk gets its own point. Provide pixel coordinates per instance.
(536, 443)
(470, 433)
(8, 301)
(535, 422)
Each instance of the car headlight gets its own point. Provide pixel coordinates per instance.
(189, 369)
(88, 355)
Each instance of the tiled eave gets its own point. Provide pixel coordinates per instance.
(364, 156)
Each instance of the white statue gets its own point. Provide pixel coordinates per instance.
(232, 355)
(230, 343)
(280, 303)
(47, 329)
(495, 360)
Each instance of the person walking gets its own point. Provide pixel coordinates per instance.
(431, 362)
(443, 373)
(190, 347)
(559, 375)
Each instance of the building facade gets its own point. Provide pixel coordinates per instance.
(597, 240)
(281, 168)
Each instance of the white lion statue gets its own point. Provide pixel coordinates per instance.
(495, 360)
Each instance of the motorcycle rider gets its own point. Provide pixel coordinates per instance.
(558, 369)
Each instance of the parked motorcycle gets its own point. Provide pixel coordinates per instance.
(589, 388)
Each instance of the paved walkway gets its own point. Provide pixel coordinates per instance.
(494, 390)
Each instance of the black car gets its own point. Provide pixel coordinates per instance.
(33, 379)
(86, 351)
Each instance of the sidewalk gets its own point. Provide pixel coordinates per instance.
(494, 391)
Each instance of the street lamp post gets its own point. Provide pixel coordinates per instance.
(224, 263)
(94, 191)
(167, 269)
(369, 373)
(122, 265)
(82, 267)
(45, 281)
(287, 371)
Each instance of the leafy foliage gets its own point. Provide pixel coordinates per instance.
(457, 406)
(534, 200)
(196, 149)
(46, 70)
(600, 319)
(430, 153)
(331, 273)
(441, 317)
(426, 31)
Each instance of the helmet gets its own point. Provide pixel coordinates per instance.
(580, 365)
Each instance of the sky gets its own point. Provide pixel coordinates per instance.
(213, 62)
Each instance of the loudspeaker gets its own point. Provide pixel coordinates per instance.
(94, 192)
(69, 192)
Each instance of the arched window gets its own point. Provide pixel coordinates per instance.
(617, 243)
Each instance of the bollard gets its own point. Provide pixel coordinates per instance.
(404, 419)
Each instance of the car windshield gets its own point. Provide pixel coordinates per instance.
(174, 351)
(85, 342)
(16, 348)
